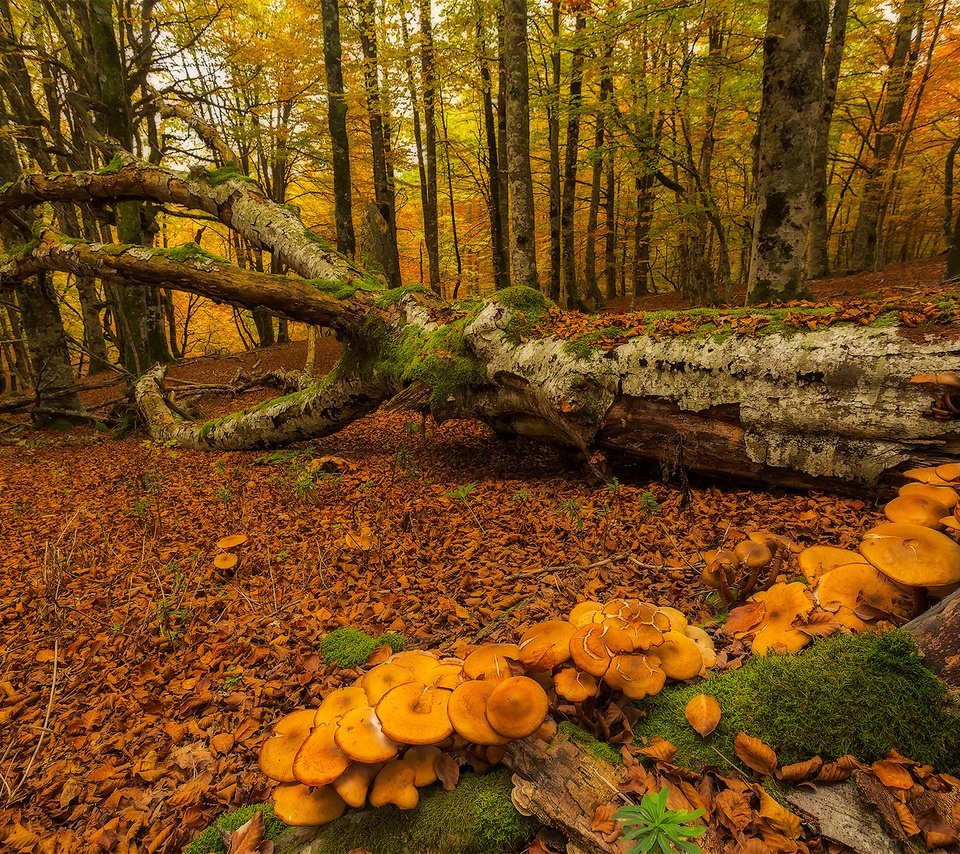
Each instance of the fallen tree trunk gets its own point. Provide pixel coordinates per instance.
(831, 408)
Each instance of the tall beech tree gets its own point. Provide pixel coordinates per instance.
(792, 83)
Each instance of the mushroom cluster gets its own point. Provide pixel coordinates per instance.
(944, 388)
(898, 564)
(382, 738)
(227, 558)
(630, 646)
(750, 566)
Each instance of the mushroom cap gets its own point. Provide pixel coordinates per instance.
(680, 657)
(354, 783)
(360, 736)
(319, 761)
(948, 379)
(678, 620)
(772, 541)
(816, 560)
(753, 554)
(593, 646)
(277, 753)
(586, 612)
(231, 542)
(704, 643)
(491, 661)
(385, 677)
(424, 759)
(912, 555)
(927, 474)
(575, 685)
(447, 674)
(859, 594)
(547, 644)
(414, 714)
(300, 806)
(225, 561)
(340, 701)
(783, 606)
(636, 676)
(394, 784)
(420, 663)
(916, 510)
(947, 496)
(949, 472)
(467, 711)
(517, 707)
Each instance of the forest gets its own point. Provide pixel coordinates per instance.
(480, 427)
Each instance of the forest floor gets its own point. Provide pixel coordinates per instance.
(138, 682)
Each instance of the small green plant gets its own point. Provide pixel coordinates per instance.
(655, 828)
(462, 492)
(521, 496)
(223, 495)
(649, 506)
(573, 510)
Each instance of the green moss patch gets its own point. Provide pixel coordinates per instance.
(211, 840)
(475, 818)
(863, 694)
(350, 647)
(188, 252)
(114, 166)
(216, 177)
(597, 749)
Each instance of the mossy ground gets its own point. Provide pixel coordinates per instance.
(597, 749)
(350, 647)
(863, 694)
(211, 840)
(477, 817)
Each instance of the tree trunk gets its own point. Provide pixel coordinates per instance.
(641, 236)
(818, 260)
(553, 133)
(610, 226)
(337, 121)
(386, 204)
(501, 260)
(523, 234)
(417, 127)
(951, 222)
(568, 202)
(792, 61)
(863, 254)
(431, 213)
(831, 408)
(599, 159)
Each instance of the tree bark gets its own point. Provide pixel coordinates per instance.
(818, 259)
(553, 133)
(431, 214)
(523, 232)
(831, 408)
(417, 127)
(599, 161)
(568, 202)
(386, 203)
(792, 60)
(337, 122)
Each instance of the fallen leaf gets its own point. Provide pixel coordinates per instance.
(448, 771)
(892, 774)
(777, 817)
(659, 748)
(907, 821)
(753, 753)
(703, 713)
(248, 838)
(801, 770)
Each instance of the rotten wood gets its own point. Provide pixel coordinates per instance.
(937, 633)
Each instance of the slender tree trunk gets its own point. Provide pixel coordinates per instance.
(792, 61)
(553, 132)
(503, 161)
(337, 121)
(599, 159)
(417, 127)
(501, 260)
(863, 253)
(431, 212)
(610, 226)
(523, 233)
(569, 194)
(951, 218)
(453, 210)
(818, 260)
(385, 203)
(641, 236)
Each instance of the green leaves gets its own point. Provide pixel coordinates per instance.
(658, 829)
